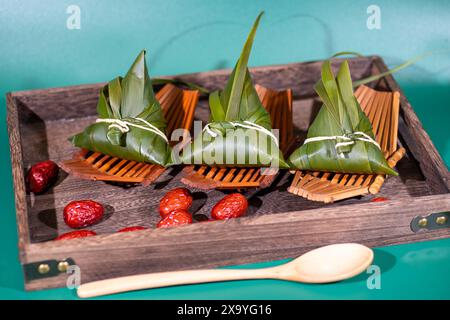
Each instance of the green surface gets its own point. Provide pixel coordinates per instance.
(38, 51)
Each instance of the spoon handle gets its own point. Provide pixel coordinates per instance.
(165, 279)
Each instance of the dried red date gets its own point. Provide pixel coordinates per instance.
(179, 198)
(133, 228)
(175, 218)
(83, 213)
(231, 206)
(76, 234)
(41, 176)
(379, 199)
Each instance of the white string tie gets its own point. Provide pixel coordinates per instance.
(247, 125)
(348, 140)
(124, 126)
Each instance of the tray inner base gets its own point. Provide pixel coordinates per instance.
(47, 139)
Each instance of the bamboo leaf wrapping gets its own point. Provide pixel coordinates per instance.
(340, 116)
(130, 99)
(232, 109)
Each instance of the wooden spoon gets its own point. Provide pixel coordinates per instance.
(326, 264)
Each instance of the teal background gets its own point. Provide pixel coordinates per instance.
(38, 51)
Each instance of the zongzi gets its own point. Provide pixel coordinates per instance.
(239, 132)
(340, 139)
(130, 122)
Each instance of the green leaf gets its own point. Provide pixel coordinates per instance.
(236, 103)
(114, 136)
(391, 71)
(321, 90)
(251, 107)
(232, 96)
(340, 115)
(347, 53)
(126, 99)
(190, 85)
(103, 109)
(217, 112)
(330, 89)
(115, 96)
(345, 87)
(137, 91)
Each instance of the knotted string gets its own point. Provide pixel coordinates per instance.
(248, 125)
(124, 126)
(348, 140)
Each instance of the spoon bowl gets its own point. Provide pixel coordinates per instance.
(329, 264)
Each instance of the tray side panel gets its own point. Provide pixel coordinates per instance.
(262, 238)
(61, 103)
(80, 101)
(18, 174)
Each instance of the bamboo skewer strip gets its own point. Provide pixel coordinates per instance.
(178, 107)
(382, 109)
(394, 122)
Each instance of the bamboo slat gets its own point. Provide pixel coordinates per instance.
(178, 107)
(382, 109)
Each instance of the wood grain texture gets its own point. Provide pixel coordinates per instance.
(15, 143)
(247, 240)
(47, 103)
(278, 225)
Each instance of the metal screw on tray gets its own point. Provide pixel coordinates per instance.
(62, 266)
(423, 222)
(43, 268)
(441, 220)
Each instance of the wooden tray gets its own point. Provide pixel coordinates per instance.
(279, 224)
(382, 109)
(279, 106)
(178, 107)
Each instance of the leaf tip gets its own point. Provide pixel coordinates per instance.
(345, 65)
(255, 24)
(139, 66)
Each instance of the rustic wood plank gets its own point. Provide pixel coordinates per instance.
(258, 238)
(46, 103)
(21, 204)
